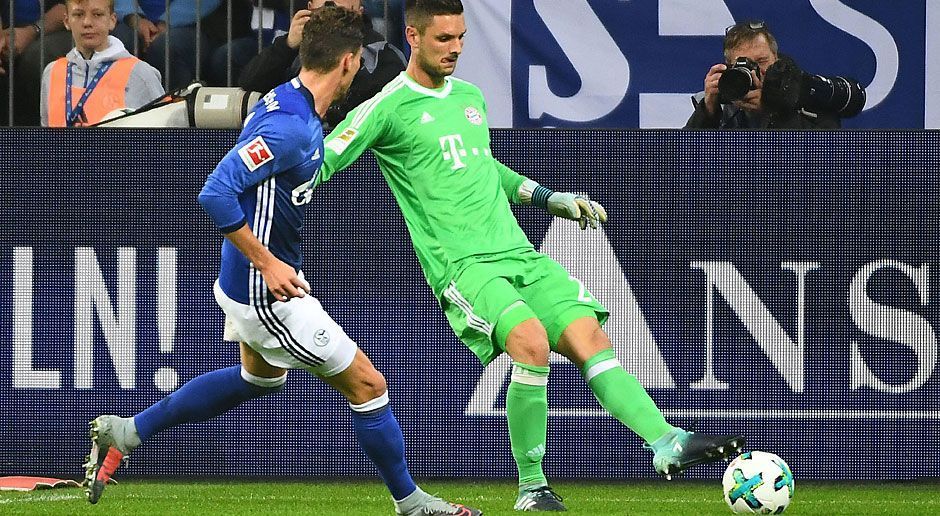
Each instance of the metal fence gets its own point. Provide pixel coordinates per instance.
(40, 23)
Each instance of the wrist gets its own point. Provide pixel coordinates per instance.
(711, 108)
(37, 29)
(535, 194)
(711, 104)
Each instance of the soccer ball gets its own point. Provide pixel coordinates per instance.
(758, 482)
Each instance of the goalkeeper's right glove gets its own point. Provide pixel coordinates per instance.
(563, 204)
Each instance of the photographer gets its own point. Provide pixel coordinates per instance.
(759, 89)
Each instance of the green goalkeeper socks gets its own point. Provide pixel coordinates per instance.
(621, 394)
(527, 415)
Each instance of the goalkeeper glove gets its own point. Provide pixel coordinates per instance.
(562, 204)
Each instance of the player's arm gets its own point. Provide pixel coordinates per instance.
(522, 190)
(262, 155)
(567, 205)
(511, 181)
(282, 279)
(362, 128)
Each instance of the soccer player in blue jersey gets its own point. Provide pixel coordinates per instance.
(257, 196)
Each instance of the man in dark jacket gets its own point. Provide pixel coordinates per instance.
(381, 62)
(754, 41)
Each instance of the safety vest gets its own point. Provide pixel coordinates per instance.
(105, 98)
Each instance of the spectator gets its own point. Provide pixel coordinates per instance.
(23, 26)
(37, 52)
(28, 24)
(23, 22)
(271, 18)
(96, 77)
(381, 62)
(773, 77)
(388, 18)
(150, 23)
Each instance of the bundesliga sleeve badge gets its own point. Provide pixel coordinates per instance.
(339, 144)
(255, 153)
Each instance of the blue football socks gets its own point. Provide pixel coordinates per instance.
(203, 398)
(380, 437)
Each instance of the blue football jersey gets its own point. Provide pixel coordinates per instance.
(265, 181)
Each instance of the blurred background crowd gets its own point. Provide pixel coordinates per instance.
(210, 41)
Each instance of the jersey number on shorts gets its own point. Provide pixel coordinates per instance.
(583, 295)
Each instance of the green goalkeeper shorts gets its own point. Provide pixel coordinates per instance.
(491, 296)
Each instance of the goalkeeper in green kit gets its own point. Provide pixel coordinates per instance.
(430, 136)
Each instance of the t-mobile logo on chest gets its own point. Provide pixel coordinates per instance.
(454, 150)
(452, 145)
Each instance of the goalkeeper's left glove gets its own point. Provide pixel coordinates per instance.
(562, 204)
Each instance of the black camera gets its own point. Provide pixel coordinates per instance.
(788, 88)
(736, 81)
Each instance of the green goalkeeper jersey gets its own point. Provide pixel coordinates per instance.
(433, 147)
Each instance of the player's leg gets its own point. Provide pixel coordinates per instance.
(211, 394)
(573, 322)
(311, 340)
(204, 397)
(377, 430)
(620, 393)
(488, 314)
(527, 413)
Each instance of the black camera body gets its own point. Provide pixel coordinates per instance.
(736, 81)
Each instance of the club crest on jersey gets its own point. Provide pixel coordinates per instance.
(255, 153)
(321, 337)
(473, 115)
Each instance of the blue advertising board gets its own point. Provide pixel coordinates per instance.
(782, 285)
(607, 63)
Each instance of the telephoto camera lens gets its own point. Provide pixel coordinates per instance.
(838, 95)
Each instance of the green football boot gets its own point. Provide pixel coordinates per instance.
(679, 450)
(541, 498)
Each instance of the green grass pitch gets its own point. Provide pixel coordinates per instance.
(357, 496)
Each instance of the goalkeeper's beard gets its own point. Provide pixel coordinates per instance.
(435, 70)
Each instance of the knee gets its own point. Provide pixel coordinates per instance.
(528, 343)
(368, 386)
(598, 338)
(582, 340)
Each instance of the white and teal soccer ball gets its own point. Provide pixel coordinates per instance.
(758, 482)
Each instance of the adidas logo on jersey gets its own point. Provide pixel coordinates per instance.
(426, 118)
(316, 155)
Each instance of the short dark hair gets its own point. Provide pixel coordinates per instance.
(418, 13)
(330, 32)
(745, 32)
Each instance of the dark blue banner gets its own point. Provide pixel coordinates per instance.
(602, 63)
(782, 285)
